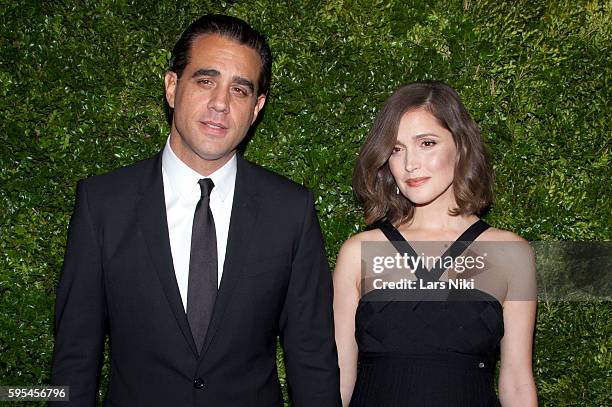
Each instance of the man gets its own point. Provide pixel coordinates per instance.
(195, 260)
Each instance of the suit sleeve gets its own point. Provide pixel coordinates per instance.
(307, 326)
(80, 310)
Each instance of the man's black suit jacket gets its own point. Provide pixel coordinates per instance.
(118, 278)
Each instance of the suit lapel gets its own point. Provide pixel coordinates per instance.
(151, 213)
(242, 221)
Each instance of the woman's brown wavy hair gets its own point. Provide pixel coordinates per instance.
(373, 183)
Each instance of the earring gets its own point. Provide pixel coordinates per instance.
(397, 190)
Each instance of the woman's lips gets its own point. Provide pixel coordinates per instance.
(416, 182)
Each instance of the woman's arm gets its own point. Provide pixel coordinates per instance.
(516, 382)
(346, 297)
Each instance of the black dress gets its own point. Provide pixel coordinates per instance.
(428, 353)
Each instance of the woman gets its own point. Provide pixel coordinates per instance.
(422, 176)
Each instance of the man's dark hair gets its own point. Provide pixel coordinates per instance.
(231, 28)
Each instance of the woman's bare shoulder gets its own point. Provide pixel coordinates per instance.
(372, 235)
(503, 244)
(500, 235)
(350, 252)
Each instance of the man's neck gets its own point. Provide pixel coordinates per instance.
(200, 165)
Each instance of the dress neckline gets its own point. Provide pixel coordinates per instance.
(456, 248)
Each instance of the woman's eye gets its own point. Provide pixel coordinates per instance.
(397, 149)
(428, 143)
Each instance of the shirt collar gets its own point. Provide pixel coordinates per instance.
(184, 180)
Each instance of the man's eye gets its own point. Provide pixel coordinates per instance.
(240, 91)
(204, 81)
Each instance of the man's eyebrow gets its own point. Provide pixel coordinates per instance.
(213, 73)
(205, 72)
(244, 82)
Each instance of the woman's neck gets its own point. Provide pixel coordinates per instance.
(434, 220)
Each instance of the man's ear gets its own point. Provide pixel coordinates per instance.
(259, 104)
(170, 81)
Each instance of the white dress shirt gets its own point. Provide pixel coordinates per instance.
(182, 193)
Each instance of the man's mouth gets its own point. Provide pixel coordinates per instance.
(214, 125)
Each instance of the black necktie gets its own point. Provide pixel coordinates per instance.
(202, 285)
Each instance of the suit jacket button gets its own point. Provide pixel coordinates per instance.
(198, 383)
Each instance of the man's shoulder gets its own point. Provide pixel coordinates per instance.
(271, 182)
(124, 179)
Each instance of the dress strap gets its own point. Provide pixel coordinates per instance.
(473, 231)
(455, 249)
(459, 246)
(396, 238)
(402, 246)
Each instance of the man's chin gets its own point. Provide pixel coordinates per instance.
(216, 156)
(216, 159)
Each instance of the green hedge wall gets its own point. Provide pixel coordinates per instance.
(81, 91)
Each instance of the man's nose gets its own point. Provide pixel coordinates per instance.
(219, 100)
